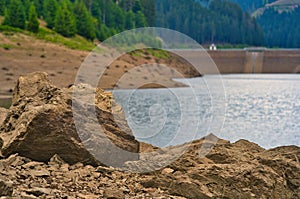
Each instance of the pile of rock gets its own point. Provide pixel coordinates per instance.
(238, 170)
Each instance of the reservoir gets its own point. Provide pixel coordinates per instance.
(262, 108)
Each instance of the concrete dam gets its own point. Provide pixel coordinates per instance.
(251, 61)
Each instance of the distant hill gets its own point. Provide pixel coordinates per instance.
(279, 20)
(281, 27)
(253, 5)
(246, 5)
(279, 5)
(217, 21)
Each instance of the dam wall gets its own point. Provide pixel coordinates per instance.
(247, 61)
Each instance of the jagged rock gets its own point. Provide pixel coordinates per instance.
(231, 170)
(40, 124)
(6, 189)
(167, 171)
(3, 114)
(258, 173)
(56, 160)
(15, 160)
(112, 193)
(38, 191)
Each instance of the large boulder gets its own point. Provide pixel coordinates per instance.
(40, 124)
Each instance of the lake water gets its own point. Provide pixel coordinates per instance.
(264, 109)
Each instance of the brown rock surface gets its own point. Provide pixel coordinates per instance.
(40, 124)
(248, 171)
(5, 188)
(238, 170)
(3, 114)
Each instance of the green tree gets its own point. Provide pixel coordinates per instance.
(140, 20)
(26, 4)
(50, 10)
(84, 22)
(15, 15)
(103, 32)
(3, 4)
(65, 23)
(33, 22)
(127, 4)
(39, 6)
(96, 10)
(137, 6)
(129, 20)
(149, 11)
(119, 18)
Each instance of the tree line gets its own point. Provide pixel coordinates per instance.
(206, 21)
(280, 24)
(220, 21)
(89, 18)
(281, 29)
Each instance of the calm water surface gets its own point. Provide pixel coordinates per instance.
(261, 108)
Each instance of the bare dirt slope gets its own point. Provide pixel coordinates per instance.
(21, 54)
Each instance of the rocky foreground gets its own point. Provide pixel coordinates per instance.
(42, 156)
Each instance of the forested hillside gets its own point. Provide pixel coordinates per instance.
(281, 29)
(279, 20)
(252, 5)
(89, 18)
(206, 21)
(220, 22)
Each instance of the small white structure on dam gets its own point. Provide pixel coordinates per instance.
(213, 47)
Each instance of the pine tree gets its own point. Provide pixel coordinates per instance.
(103, 32)
(96, 10)
(65, 22)
(140, 20)
(3, 5)
(33, 22)
(137, 6)
(27, 4)
(84, 22)
(127, 4)
(15, 15)
(148, 7)
(50, 10)
(119, 18)
(39, 6)
(129, 21)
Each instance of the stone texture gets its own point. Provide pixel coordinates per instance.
(247, 172)
(3, 114)
(40, 124)
(6, 188)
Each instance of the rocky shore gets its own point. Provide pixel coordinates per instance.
(42, 155)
